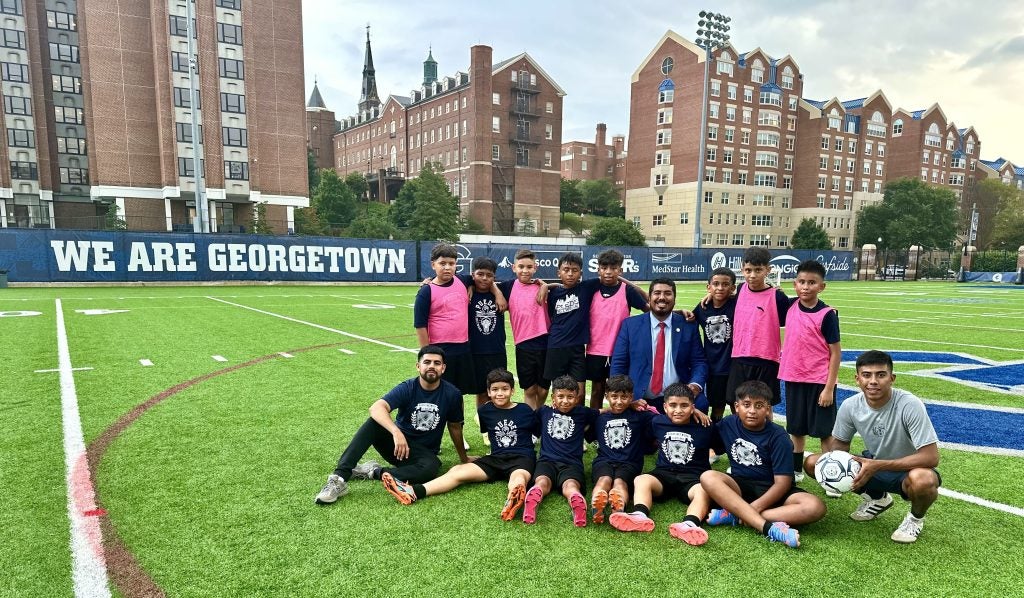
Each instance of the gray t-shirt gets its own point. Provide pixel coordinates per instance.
(896, 430)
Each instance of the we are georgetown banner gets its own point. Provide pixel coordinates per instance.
(48, 255)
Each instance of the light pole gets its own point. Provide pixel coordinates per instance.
(712, 33)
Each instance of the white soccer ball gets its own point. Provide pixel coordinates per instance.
(835, 471)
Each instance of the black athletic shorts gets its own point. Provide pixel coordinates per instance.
(803, 415)
(566, 360)
(560, 473)
(675, 485)
(459, 371)
(755, 489)
(500, 467)
(598, 367)
(616, 470)
(482, 365)
(716, 389)
(740, 372)
(530, 368)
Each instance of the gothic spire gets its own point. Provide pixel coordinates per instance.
(369, 100)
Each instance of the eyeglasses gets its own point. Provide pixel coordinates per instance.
(752, 404)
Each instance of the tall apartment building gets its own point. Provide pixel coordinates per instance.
(97, 112)
(495, 130)
(772, 157)
(584, 161)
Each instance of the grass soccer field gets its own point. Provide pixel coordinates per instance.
(212, 416)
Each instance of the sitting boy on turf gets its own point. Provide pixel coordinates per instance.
(511, 427)
(760, 492)
(560, 465)
(622, 437)
(682, 458)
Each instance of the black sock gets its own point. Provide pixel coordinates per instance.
(798, 461)
(375, 473)
(419, 491)
(642, 509)
(767, 526)
(875, 494)
(692, 519)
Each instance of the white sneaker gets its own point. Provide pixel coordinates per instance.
(870, 508)
(832, 493)
(334, 489)
(364, 471)
(798, 476)
(909, 530)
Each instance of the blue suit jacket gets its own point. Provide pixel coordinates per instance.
(634, 356)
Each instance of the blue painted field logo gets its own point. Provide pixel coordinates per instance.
(1005, 377)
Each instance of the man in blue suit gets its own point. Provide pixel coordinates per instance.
(660, 333)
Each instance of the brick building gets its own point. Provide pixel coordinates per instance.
(495, 130)
(584, 161)
(320, 129)
(97, 112)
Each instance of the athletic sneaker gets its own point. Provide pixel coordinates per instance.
(617, 501)
(721, 517)
(401, 491)
(780, 532)
(513, 503)
(578, 504)
(334, 489)
(870, 508)
(597, 505)
(631, 522)
(832, 493)
(909, 530)
(533, 498)
(364, 470)
(688, 532)
(798, 476)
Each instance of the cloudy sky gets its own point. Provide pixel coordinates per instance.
(967, 56)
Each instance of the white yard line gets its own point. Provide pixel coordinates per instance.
(929, 321)
(287, 355)
(944, 343)
(146, 363)
(319, 326)
(58, 369)
(88, 564)
(982, 502)
(347, 351)
(220, 358)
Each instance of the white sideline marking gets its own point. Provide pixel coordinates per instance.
(58, 369)
(146, 363)
(998, 506)
(319, 326)
(985, 450)
(219, 358)
(88, 564)
(283, 354)
(347, 352)
(945, 343)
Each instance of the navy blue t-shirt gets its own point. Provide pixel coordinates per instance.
(561, 434)
(486, 325)
(683, 448)
(537, 343)
(829, 324)
(717, 322)
(570, 314)
(623, 437)
(756, 455)
(421, 313)
(511, 431)
(422, 414)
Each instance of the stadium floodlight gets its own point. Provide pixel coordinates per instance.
(703, 14)
(710, 34)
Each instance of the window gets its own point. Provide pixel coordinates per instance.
(766, 159)
(851, 165)
(495, 153)
(716, 89)
(787, 182)
(235, 4)
(236, 171)
(235, 137)
(709, 175)
(11, 71)
(665, 96)
(709, 197)
(897, 127)
(877, 130)
(730, 91)
(730, 134)
(768, 139)
(658, 220)
(741, 179)
(11, 7)
(730, 113)
(547, 158)
(852, 146)
(712, 133)
(183, 132)
(724, 67)
(970, 149)
(763, 200)
(74, 176)
(787, 78)
(789, 163)
(711, 154)
(744, 158)
(867, 167)
(232, 102)
(229, 34)
(666, 65)
(179, 62)
(878, 169)
(495, 124)
(186, 167)
(848, 186)
(496, 99)
(684, 218)
(665, 116)
(727, 177)
(771, 98)
(17, 105)
(71, 145)
(21, 138)
(769, 118)
(760, 220)
(24, 170)
(746, 116)
(762, 179)
(660, 179)
(549, 107)
(713, 110)
(664, 137)
(66, 84)
(881, 150)
(179, 26)
(822, 181)
(835, 183)
(839, 144)
(727, 156)
(868, 147)
(837, 164)
(12, 38)
(662, 157)
(737, 240)
(549, 131)
(757, 72)
(231, 69)
(182, 99)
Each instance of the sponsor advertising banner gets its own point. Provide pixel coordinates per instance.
(1010, 277)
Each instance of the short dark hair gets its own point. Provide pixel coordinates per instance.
(571, 258)
(565, 382)
(755, 389)
(678, 389)
(812, 267)
(619, 383)
(667, 281)
(500, 375)
(757, 256)
(432, 349)
(874, 358)
(484, 263)
(443, 250)
(610, 257)
(525, 253)
(723, 271)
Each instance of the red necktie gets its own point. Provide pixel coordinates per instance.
(658, 373)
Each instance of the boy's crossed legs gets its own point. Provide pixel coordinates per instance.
(664, 485)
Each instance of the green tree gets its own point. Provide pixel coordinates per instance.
(569, 198)
(260, 226)
(307, 222)
(616, 232)
(601, 198)
(988, 195)
(470, 226)
(334, 201)
(312, 172)
(911, 213)
(372, 223)
(403, 206)
(1009, 225)
(436, 215)
(810, 235)
(113, 220)
(357, 183)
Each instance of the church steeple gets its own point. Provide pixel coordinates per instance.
(316, 101)
(429, 68)
(369, 100)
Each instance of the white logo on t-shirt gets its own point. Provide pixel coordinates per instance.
(744, 452)
(505, 433)
(486, 316)
(567, 304)
(677, 447)
(718, 330)
(425, 417)
(560, 426)
(617, 434)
